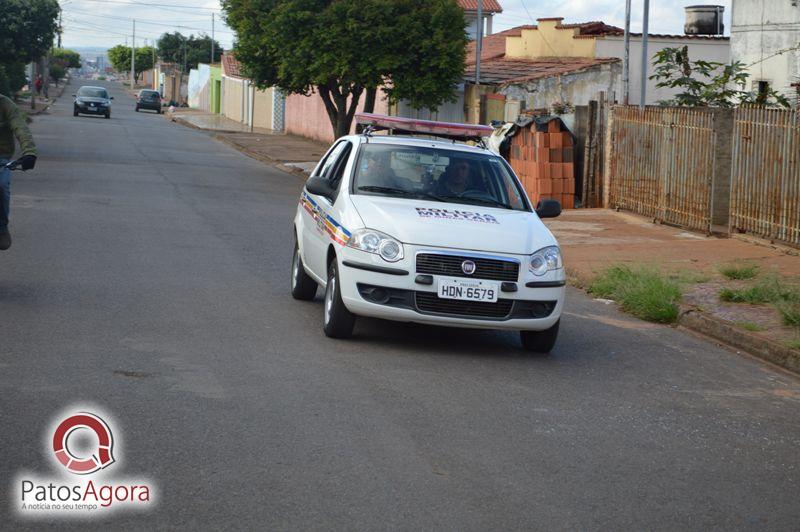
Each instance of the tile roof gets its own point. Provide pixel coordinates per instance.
(500, 71)
(489, 6)
(231, 67)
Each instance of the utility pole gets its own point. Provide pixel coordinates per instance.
(626, 63)
(645, 60)
(212, 38)
(154, 63)
(60, 24)
(133, 57)
(479, 44)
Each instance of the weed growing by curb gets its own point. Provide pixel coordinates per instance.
(645, 293)
(739, 272)
(750, 326)
(767, 290)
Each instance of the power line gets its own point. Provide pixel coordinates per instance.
(154, 23)
(149, 4)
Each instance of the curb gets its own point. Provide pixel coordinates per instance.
(732, 336)
(259, 157)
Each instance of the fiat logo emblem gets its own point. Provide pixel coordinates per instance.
(468, 267)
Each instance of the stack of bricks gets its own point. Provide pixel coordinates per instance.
(544, 161)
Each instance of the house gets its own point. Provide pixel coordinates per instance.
(553, 61)
(489, 9)
(765, 36)
(241, 101)
(171, 82)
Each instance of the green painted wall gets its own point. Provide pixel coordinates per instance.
(215, 88)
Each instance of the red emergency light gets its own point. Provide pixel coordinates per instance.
(447, 130)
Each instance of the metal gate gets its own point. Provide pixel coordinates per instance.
(662, 163)
(765, 181)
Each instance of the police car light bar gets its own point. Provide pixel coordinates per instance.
(424, 127)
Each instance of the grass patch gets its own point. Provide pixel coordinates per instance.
(790, 312)
(767, 290)
(645, 293)
(750, 326)
(739, 272)
(794, 344)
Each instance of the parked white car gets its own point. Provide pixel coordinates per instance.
(426, 231)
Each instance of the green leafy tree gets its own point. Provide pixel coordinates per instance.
(120, 58)
(171, 48)
(65, 58)
(57, 72)
(707, 83)
(27, 28)
(346, 49)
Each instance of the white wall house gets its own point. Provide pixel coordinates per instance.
(765, 36)
(470, 7)
(705, 47)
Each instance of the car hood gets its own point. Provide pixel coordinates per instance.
(449, 225)
(81, 99)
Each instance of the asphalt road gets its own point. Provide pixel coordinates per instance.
(149, 277)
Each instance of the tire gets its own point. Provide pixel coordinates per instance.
(108, 115)
(137, 108)
(540, 342)
(304, 287)
(158, 110)
(74, 111)
(338, 321)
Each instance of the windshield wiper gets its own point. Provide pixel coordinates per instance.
(481, 201)
(386, 190)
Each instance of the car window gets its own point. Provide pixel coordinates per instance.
(90, 92)
(325, 169)
(337, 171)
(470, 178)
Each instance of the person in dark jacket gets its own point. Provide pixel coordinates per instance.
(12, 124)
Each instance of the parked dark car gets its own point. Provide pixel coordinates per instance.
(148, 99)
(92, 101)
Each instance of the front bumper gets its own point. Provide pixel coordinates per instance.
(97, 109)
(528, 308)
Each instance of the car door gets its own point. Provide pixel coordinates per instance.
(316, 237)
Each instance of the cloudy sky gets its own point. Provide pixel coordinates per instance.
(104, 23)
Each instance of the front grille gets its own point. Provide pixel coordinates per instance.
(493, 269)
(431, 303)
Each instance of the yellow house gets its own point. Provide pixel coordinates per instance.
(550, 38)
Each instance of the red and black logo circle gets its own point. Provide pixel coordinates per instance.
(100, 458)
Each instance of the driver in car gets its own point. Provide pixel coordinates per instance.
(455, 180)
(379, 171)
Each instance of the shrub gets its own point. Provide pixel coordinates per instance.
(734, 272)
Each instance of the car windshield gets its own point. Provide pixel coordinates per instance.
(90, 92)
(149, 94)
(434, 174)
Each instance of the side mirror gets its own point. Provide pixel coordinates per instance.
(111, 98)
(73, 96)
(319, 186)
(548, 208)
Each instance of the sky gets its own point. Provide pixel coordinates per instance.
(105, 23)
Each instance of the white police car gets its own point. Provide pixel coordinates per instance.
(427, 231)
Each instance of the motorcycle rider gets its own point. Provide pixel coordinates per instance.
(12, 124)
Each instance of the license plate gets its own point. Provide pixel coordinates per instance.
(468, 290)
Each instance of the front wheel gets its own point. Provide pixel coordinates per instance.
(74, 111)
(339, 321)
(108, 115)
(304, 287)
(540, 342)
(137, 108)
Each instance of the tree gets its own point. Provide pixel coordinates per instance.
(707, 83)
(171, 48)
(343, 49)
(120, 57)
(28, 27)
(65, 58)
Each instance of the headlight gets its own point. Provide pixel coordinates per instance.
(376, 242)
(546, 259)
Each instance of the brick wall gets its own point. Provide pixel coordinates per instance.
(544, 159)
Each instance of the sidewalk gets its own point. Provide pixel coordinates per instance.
(291, 153)
(594, 239)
